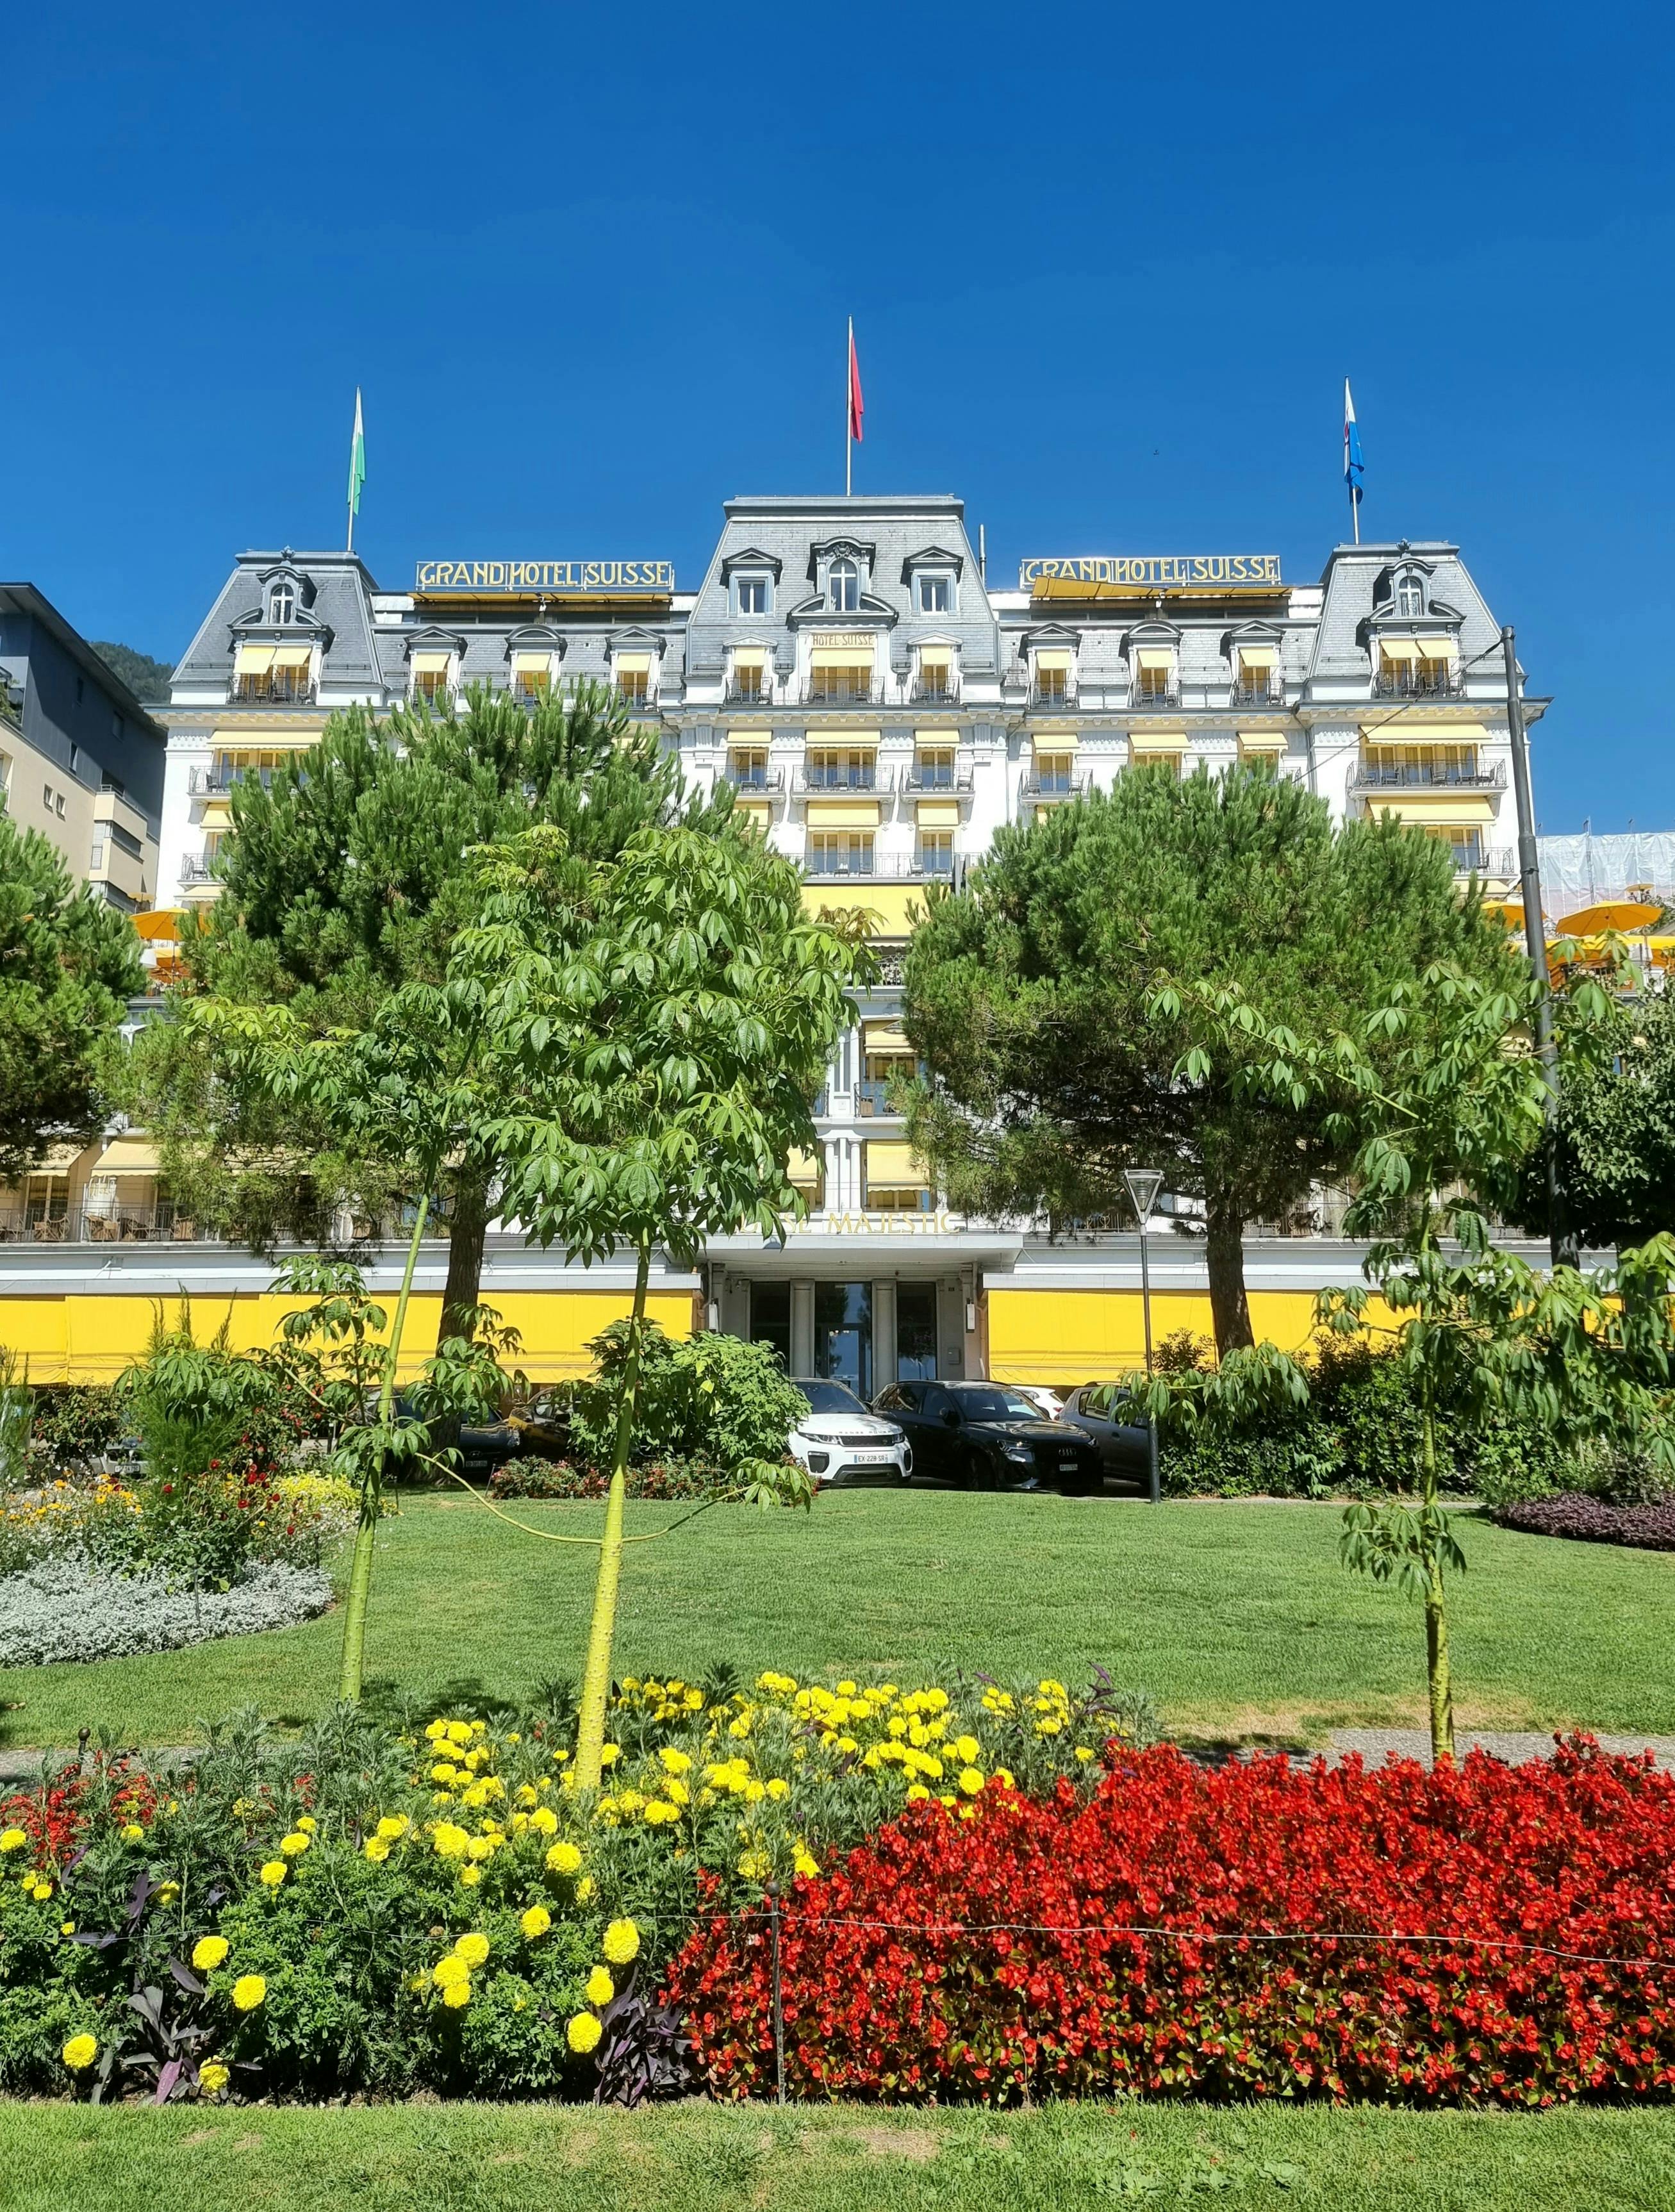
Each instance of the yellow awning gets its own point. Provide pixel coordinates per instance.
(1053, 657)
(1263, 741)
(893, 1167)
(128, 1156)
(218, 812)
(531, 664)
(843, 814)
(59, 1159)
(1141, 742)
(748, 656)
(936, 740)
(1619, 914)
(804, 1169)
(938, 813)
(886, 1041)
(430, 664)
(293, 656)
(841, 656)
(1399, 648)
(1154, 656)
(847, 741)
(253, 659)
(1436, 648)
(1259, 656)
(1397, 730)
(1437, 809)
(1054, 742)
(759, 810)
(632, 664)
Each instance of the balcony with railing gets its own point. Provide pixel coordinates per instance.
(1164, 693)
(1428, 775)
(818, 779)
(42, 1223)
(872, 1100)
(934, 692)
(1261, 688)
(747, 691)
(1417, 679)
(199, 869)
(828, 865)
(1052, 689)
(831, 687)
(764, 777)
(951, 781)
(1494, 863)
(278, 687)
(1053, 786)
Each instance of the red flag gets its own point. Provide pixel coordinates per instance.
(857, 404)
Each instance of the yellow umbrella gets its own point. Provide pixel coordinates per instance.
(1620, 914)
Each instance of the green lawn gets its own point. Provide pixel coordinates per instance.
(1237, 1618)
(833, 2158)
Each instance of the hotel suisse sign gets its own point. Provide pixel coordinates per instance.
(1155, 571)
(542, 576)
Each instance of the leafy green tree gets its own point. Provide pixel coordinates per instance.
(661, 1022)
(1615, 1134)
(69, 964)
(347, 881)
(1056, 1056)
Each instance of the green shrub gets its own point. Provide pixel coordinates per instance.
(712, 1398)
(75, 1423)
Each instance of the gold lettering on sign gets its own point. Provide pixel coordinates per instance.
(1153, 570)
(544, 576)
(827, 639)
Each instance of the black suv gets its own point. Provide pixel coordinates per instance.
(984, 1436)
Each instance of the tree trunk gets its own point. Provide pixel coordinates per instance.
(468, 1223)
(359, 1594)
(1436, 1620)
(602, 1630)
(1224, 1256)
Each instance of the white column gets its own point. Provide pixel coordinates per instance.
(802, 1328)
(883, 1335)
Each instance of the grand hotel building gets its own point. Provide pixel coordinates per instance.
(882, 708)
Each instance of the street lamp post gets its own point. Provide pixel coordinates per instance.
(1144, 1185)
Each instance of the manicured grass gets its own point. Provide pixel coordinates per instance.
(1236, 1617)
(832, 2159)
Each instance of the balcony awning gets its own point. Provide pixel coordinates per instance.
(1052, 657)
(1436, 648)
(841, 656)
(886, 1041)
(937, 813)
(936, 740)
(1263, 741)
(1154, 656)
(253, 659)
(531, 664)
(1399, 648)
(850, 741)
(843, 813)
(893, 1167)
(749, 656)
(1054, 742)
(632, 664)
(804, 1169)
(430, 664)
(1397, 730)
(293, 656)
(1259, 656)
(126, 1155)
(759, 810)
(59, 1159)
(1436, 810)
(217, 811)
(1143, 742)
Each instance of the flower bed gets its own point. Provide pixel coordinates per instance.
(66, 1609)
(1594, 1520)
(663, 1482)
(1251, 1932)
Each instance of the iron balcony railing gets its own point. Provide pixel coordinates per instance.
(878, 867)
(955, 780)
(161, 1222)
(767, 777)
(1161, 695)
(1480, 776)
(872, 1100)
(1257, 691)
(1047, 788)
(823, 694)
(210, 782)
(272, 691)
(1044, 692)
(197, 870)
(748, 695)
(815, 781)
(1418, 680)
(1500, 861)
(924, 693)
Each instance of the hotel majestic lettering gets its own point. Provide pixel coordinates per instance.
(538, 576)
(1155, 570)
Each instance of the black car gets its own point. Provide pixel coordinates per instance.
(982, 1436)
(1111, 1419)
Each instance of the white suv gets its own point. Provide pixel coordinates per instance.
(838, 1440)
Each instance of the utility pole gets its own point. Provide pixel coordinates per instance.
(1560, 1241)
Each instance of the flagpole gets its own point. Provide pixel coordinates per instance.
(1355, 514)
(849, 414)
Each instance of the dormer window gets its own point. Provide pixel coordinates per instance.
(1409, 596)
(752, 595)
(281, 603)
(936, 595)
(843, 587)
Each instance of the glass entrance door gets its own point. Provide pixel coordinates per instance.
(843, 1334)
(770, 1318)
(915, 1332)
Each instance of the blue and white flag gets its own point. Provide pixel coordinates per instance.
(1353, 467)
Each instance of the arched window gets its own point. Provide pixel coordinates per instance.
(843, 587)
(281, 603)
(1409, 596)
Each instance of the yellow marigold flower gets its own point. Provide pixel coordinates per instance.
(213, 2078)
(208, 1953)
(480, 1847)
(274, 1873)
(393, 1826)
(673, 1761)
(451, 1970)
(525, 1794)
(544, 1820)
(168, 1892)
(14, 1839)
(458, 1732)
(443, 1771)
(67, 1929)
(1003, 1775)
(460, 1993)
(248, 1992)
(600, 1987)
(845, 1689)
(967, 1748)
(1082, 1752)
(585, 1889)
(377, 1849)
(535, 1922)
(806, 1865)
(610, 1753)
(659, 1812)
(779, 1786)
(448, 1841)
(514, 1737)
(81, 2050)
(470, 1877)
(583, 2032)
(435, 1729)
(971, 1780)
(917, 1794)
(472, 1948)
(620, 1942)
(132, 1833)
(479, 1728)
(563, 1858)
(295, 1844)
(755, 1866)
(41, 1892)
(308, 1823)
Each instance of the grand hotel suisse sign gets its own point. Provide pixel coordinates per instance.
(1155, 571)
(539, 576)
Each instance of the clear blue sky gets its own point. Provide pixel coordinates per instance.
(1109, 265)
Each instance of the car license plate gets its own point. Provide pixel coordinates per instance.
(870, 1458)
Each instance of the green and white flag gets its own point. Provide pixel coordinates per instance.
(357, 468)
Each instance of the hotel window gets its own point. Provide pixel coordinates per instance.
(936, 675)
(842, 768)
(1465, 845)
(840, 852)
(838, 683)
(281, 603)
(1052, 678)
(751, 594)
(1154, 675)
(1053, 773)
(749, 678)
(747, 767)
(532, 676)
(933, 768)
(936, 595)
(634, 676)
(247, 767)
(936, 852)
(1432, 764)
(843, 587)
(1410, 597)
(431, 671)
